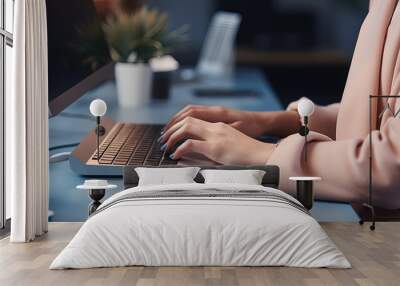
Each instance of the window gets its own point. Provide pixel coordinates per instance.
(6, 43)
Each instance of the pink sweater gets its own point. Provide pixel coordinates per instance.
(339, 141)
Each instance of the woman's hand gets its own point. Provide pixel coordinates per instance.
(245, 121)
(219, 142)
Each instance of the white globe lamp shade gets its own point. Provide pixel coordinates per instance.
(305, 107)
(98, 107)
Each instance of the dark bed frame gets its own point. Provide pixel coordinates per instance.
(270, 179)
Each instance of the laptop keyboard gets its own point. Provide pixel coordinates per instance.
(132, 145)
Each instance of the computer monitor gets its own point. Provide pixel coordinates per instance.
(71, 71)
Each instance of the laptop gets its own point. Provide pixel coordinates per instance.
(123, 144)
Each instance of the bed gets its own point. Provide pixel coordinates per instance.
(198, 224)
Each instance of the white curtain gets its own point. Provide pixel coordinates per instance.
(27, 124)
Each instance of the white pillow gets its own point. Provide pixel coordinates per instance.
(248, 177)
(164, 176)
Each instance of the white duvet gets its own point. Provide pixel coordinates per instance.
(188, 231)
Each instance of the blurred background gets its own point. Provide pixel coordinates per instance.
(304, 47)
(300, 47)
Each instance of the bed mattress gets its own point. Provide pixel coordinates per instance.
(201, 225)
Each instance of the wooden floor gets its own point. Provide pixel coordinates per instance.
(375, 257)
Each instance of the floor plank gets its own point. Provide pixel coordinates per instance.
(375, 257)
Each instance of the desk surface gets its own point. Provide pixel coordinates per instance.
(70, 204)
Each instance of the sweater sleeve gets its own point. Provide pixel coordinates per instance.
(323, 120)
(343, 165)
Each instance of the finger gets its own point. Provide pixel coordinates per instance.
(188, 107)
(193, 128)
(195, 112)
(203, 112)
(208, 113)
(293, 105)
(172, 121)
(238, 125)
(188, 113)
(199, 113)
(165, 136)
(192, 146)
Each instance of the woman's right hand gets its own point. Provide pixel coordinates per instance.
(219, 142)
(245, 121)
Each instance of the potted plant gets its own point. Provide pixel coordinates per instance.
(133, 40)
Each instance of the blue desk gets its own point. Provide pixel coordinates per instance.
(70, 204)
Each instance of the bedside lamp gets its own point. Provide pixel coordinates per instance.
(304, 185)
(98, 108)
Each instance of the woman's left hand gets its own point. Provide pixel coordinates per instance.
(219, 142)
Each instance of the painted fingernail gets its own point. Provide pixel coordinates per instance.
(171, 156)
(162, 131)
(163, 147)
(160, 139)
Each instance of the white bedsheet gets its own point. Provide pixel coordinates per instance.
(200, 231)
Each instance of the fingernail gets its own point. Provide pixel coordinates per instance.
(171, 156)
(160, 139)
(162, 131)
(163, 147)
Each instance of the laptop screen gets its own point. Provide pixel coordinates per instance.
(77, 49)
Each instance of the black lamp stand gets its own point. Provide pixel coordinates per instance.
(100, 131)
(304, 132)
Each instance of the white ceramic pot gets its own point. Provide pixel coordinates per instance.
(134, 82)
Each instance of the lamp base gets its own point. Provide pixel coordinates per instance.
(305, 193)
(96, 195)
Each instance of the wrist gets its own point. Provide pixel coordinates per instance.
(281, 123)
(262, 120)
